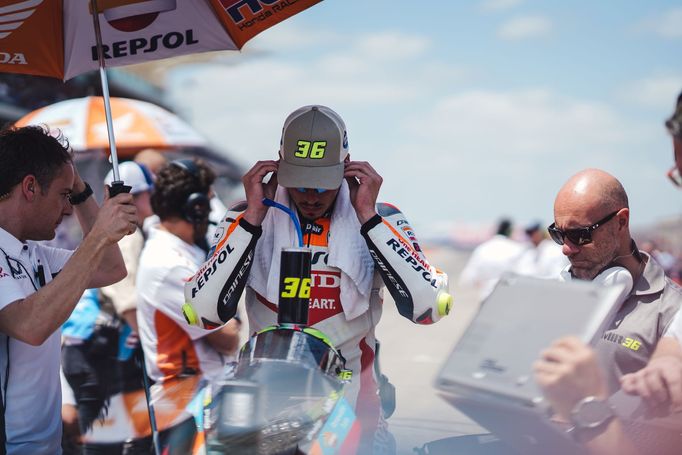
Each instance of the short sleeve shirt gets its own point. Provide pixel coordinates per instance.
(642, 320)
(33, 393)
(171, 346)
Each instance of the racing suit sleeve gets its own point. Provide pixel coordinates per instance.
(420, 290)
(212, 294)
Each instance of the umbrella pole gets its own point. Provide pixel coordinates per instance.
(110, 124)
(117, 185)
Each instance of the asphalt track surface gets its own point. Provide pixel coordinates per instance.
(412, 355)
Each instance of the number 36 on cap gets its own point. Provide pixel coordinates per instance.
(313, 150)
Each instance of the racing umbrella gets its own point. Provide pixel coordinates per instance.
(137, 125)
(64, 38)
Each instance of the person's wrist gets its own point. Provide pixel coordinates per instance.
(366, 215)
(255, 217)
(80, 196)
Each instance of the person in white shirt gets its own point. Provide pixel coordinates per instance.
(40, 285)
(171, 255)
(491, 259)
(543, 257)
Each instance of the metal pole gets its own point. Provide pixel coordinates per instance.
(150, 406)
(105, 90)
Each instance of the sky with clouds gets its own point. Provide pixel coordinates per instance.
(469, 110)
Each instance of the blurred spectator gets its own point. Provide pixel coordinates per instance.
(151, 158)
(491, 259)
(101, 348)
(71, 435)
(667, 260)
(122, 294)
(543, 258)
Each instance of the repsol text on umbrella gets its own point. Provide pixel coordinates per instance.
(170, 40)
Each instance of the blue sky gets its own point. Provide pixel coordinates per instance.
(469, 110)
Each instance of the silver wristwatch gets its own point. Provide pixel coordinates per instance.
(590, 417)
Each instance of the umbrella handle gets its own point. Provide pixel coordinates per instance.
(118, 187)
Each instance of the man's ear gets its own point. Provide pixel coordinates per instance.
(624, 218)
(29, 186)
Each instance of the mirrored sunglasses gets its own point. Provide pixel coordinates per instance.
(317, 190)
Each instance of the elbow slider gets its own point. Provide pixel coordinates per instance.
(444, 303)
(190, 314)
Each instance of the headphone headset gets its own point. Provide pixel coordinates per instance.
(197, 206)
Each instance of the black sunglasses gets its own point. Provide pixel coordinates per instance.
(578, 236)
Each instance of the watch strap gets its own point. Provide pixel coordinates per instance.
(81, 197)
(583, 431)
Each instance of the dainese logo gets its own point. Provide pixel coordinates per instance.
(133, 15)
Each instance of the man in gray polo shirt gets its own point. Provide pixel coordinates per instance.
(569, 371)
(592, 224)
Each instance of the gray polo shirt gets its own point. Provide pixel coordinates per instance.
(642, 319)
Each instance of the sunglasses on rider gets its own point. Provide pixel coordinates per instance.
(578, 236)
(317, 190)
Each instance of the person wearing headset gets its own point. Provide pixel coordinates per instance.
(172, 254)
(40, 285)
(592, 223)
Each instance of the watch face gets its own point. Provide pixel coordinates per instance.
(592, 413)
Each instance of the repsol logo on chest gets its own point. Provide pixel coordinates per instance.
(134, 46)
(255, 9)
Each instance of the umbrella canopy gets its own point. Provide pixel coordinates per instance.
(57, 38)
(137, 125)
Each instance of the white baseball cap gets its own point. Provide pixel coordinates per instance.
(133, 174)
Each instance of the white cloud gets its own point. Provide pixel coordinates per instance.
(659, 92)
(292, 36)
(667, 24)
(392, 46)
(480, 154)
(499, 5)
(525, 27)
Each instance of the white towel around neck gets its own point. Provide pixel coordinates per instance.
(347, 251)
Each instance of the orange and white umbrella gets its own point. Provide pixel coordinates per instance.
(64, 38)
(56, 38)
(137, 125)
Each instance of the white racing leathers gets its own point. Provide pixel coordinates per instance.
(418, 289)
